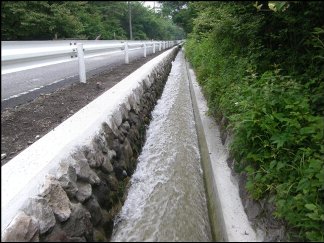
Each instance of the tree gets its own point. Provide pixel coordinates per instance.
(46, 20)
(182, 13)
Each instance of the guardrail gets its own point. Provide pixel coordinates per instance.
(22, 55)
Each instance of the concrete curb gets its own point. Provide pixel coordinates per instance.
(229, 221)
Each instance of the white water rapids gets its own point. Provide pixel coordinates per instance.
(166, 200)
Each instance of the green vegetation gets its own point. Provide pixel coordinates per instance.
(263, 70)
(46, 20)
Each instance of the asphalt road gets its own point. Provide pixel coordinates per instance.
(15, 86)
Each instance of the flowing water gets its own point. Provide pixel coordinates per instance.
(166, 200)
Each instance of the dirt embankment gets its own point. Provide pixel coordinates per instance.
(24, 124)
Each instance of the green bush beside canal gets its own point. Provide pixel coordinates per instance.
(263, 72)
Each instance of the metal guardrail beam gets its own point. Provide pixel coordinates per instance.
(22, 55)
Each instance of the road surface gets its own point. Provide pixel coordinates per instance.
(19, 87)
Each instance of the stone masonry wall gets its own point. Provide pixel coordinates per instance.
(80, 200)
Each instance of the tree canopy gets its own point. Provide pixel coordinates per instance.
(46, 20)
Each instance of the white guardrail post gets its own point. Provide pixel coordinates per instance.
(82, 71)
(153, 43)
(126, 53)
(160, 45)
(144, 49)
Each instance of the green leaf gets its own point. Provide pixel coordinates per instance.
(307, 130)
(313, 216)
(272, 164)
(279, 139)
(311, 206)
(280, 165)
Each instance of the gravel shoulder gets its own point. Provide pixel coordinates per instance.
(22, 125)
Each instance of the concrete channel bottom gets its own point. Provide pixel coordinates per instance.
(228, 220)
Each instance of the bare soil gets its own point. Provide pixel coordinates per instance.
(22, 125)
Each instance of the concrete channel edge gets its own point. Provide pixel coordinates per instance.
(228, 219)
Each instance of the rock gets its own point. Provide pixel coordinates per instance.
(125, 173)
(57, 198)
(37, 136)
(121, 137)
(38, 208)
(127, 104)
(99, 85)
(112, 182)
(67, 177)
(102, 144)
(83, 170)
(123, 131)
(126, 152)
(94, 208)
(84, 191)
(133, 118)
(93, 178)
(147, 82)
(137, 93)
(102, 194)
(112, 124)
(95, 160)
(118, 169)
(252, 209)
(59, 235)
(109, 134)
(145, 112)
(124, 112)
(133, 103)
(3, 156)
(133, 135)
(81, 166)
(111, 154)
(117, 117)
(107, 166)
(22, 228)
(126, 125)
(19, 147)
(117, 148)
(79, 224)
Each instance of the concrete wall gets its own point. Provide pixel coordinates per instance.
(69, 185)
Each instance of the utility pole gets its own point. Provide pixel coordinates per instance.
(130, 21)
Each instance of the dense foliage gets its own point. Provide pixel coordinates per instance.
(263, 70)
(46, 20)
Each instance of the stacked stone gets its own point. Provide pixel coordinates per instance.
(79, 201)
